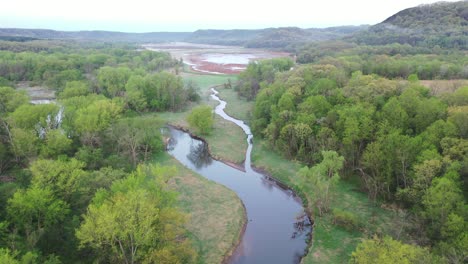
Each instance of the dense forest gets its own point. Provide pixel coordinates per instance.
(361, 110)
(442, 24)
(73, 185)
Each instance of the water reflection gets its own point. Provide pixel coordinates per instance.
(199, 155)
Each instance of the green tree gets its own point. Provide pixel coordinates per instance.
(201, 118)
(134, 93)
(74, 88)
(136, 221)
(136, 138)
(34, 210)
(440, 200)
(95, 118)
(112, 80)
(322, 178)
(389, 251)
(63, 177)
(56, 143)
(10, 99)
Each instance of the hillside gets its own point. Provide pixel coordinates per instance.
(270, 37)
(444, 24)
(9, 33)
(256, 38)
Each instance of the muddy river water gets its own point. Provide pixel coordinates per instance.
(277, 229)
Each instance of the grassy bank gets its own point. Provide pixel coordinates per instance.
(216, 213)
(236, 107)
(227, 141)
(331, 243)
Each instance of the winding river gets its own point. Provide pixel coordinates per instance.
(277, 228)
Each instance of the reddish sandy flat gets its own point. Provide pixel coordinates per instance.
(214, 59)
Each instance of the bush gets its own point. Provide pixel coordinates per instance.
(201, 118)
(346, 219)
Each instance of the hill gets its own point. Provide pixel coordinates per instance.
(270, 37)
(444, 24)
(256, 38)
(12, 33)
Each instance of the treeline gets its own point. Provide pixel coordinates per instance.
(73, 184)
(401, 143)
(64, 63)
(391, 61)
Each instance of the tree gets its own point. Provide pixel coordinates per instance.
(136, 137)
(64, 178)
(24, 143)
(95, 118)
(201, 118)
(134, 93)
(33, 210)
(389, 251)
(74, 88)
(113, 80)
(136, 221)
(57, 143)
(440, 200)
(322, 178)
(10, 99)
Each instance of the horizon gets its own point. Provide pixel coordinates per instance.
(118, 16)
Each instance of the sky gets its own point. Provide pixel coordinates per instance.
(187, 16)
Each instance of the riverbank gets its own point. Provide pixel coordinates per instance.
(217, 216)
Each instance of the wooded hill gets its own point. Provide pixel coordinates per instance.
(257, 38)
(443, 23)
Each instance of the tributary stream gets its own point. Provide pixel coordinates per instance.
(277, 228)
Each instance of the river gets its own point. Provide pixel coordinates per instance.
(277, 228)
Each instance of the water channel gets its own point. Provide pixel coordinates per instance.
(277, 228)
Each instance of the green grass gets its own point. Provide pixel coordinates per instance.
(216, 213)
(237, 107)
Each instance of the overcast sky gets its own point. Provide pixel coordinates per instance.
(183, 15)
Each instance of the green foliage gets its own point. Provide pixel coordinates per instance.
(201, 118)
(8, 257)
(388, 251)
(34, 210)
(112, 80)
(256, 73)
(10, 99)
(135, 222)
(346, 219)
(74, 88)
(322, 179)
(36, 117)
(136, 138)
(56, 143)
(444, 27)
(63, 177)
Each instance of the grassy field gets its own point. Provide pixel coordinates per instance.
(216, 213)
(330, 243)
